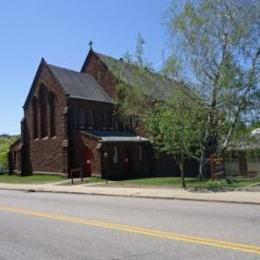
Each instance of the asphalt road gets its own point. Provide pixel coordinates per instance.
(64, 226)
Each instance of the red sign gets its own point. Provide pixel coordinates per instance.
(217, 167)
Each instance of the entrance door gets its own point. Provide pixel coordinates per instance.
(87, 161)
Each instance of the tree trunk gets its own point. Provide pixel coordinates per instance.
(182, 176)
(201, 166)
(180, 162)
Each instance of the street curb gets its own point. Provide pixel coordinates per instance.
(134, 196)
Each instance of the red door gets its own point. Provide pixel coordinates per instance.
(88, 159)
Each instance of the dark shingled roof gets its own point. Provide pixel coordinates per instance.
(79, 85)
(152, 84)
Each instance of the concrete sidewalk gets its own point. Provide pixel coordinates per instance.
(246, 197)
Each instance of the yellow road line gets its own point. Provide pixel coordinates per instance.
(138, 230)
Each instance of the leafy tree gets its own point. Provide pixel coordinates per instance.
(5, 142)
(220, 60)
(165, 121)
(218, 44)
(171, 68)
(138, 59)
(139, 51)
(176, 128)
(133, 100)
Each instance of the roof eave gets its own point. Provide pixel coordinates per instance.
(36, 77)
(82, 98)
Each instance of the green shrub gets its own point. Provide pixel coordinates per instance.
(5, 142)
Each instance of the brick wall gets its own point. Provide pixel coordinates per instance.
(101, 73)
(46, 154)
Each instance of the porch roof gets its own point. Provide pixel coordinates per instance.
(123, 139)
(114, 136)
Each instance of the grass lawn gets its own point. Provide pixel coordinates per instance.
(238, 182)
(37, 178)
(168, 182)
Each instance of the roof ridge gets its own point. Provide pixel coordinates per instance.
(64, 68)
(136, 66)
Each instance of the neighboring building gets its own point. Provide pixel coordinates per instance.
(69, 122)
(14, 156)
(243, 158)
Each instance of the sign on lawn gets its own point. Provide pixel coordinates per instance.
(217, 167)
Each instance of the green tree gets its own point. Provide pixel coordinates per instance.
(5, 142)
(161, 118)
(218, 44)
(176, 127)
(171, 68)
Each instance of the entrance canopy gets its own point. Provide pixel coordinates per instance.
(111, 136)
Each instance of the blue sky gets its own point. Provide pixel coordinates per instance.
(59, 31)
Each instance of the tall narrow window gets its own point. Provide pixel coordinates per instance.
(35, 117)
(52, 114)
(140, 153)
(75, 117)
(115, 157)
(109, 120)
(81, 119)
(90, 119)
(115, 122)
(43, 111)
(103, 120)
(86, 118)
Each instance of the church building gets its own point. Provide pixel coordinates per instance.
(70, 124)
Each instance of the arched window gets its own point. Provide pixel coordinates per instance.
(52, 114)
(35, 117)
(43, 111)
